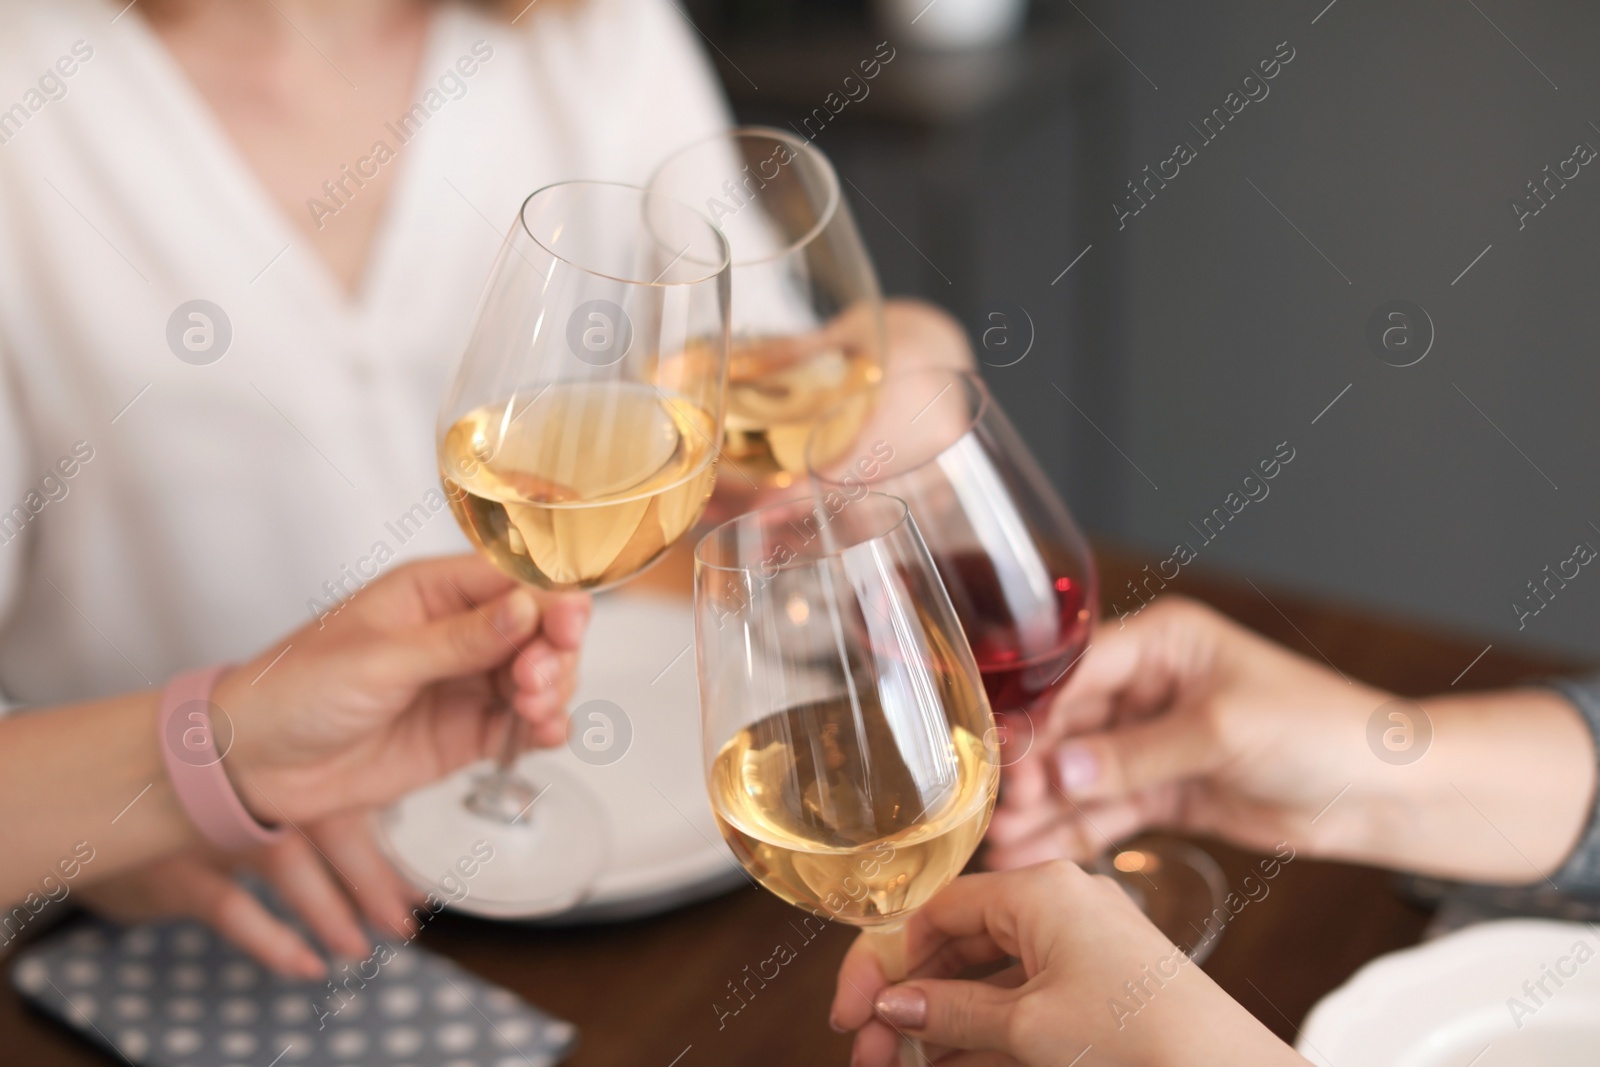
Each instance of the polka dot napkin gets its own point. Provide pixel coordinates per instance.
(176, 995)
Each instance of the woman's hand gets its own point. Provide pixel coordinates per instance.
(1185, 720)
(1090, 972)
(408, 681)
(333, 878)
(403, 685)
(917, 335)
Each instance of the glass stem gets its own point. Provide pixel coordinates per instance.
(503, 795)
(512, 746)
(889, 942)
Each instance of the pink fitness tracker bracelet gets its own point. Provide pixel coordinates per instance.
(189, 746)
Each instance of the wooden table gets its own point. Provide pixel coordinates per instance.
(642, 993)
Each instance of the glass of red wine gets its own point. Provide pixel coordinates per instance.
(1018, 571)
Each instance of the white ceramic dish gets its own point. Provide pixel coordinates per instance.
(1513, 993)
(664, 849)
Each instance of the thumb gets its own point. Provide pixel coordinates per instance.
(477, 638)
(1133, 758)
(963, 1015)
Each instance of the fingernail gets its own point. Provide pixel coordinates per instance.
(516, 612)
(835, 1027)
(1076, 768)
(904, 1006)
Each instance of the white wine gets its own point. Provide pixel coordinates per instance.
(776, 393)
(581, 485)
(823, 807)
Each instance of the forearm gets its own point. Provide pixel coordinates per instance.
(1216, 1029)
(81, 781)
(1501, 795)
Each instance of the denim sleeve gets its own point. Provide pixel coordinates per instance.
(1580, 874)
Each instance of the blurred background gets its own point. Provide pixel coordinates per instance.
(1442, 459)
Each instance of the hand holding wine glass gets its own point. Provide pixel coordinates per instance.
(1188, 721)
(1018, 572)
(1078, 944)
(848, 744)
(578, 443)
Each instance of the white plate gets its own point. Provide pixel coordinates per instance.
(1462, 1000)
(665, 849)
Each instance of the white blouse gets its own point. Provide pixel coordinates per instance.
(159, 512)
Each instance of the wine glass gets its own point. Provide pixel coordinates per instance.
(807, 316)
(578, 442)
(1018, 571)
(849, 748)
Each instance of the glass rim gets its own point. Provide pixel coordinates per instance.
(800, 147)
(971, 378)
(902, 519)
(645, 193)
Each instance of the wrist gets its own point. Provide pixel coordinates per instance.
(1215, 1028)
(243, 760)
(1502, 793)
(240, 744)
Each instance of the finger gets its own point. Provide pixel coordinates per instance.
(307, 885)
(992, 905)
(971, 908)
(1139, 669)
(539, 723)
(877, 1044)
(1136, 757)
(382, 894)
(242, 919)
(569, 676)
(860, 979)
(541, 667)
(475, 639)
(1025, 781)
(566, 618)
(1058, 842)
(1010, 978)
(962, 1015)
(956, 955)
(1105, 670)
(861, 974)
(1074, 836)
(977, 1059)
(449, 584)
(543, 730)
(1011, 824)
(545, 707)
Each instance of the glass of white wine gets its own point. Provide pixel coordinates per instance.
(577, 444)
(850, 751)
(580, 438)
(807, 315)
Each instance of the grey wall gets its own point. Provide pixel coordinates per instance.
(1209, 329)
(1394, 142)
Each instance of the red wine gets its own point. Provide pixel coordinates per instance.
(1013, 676)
